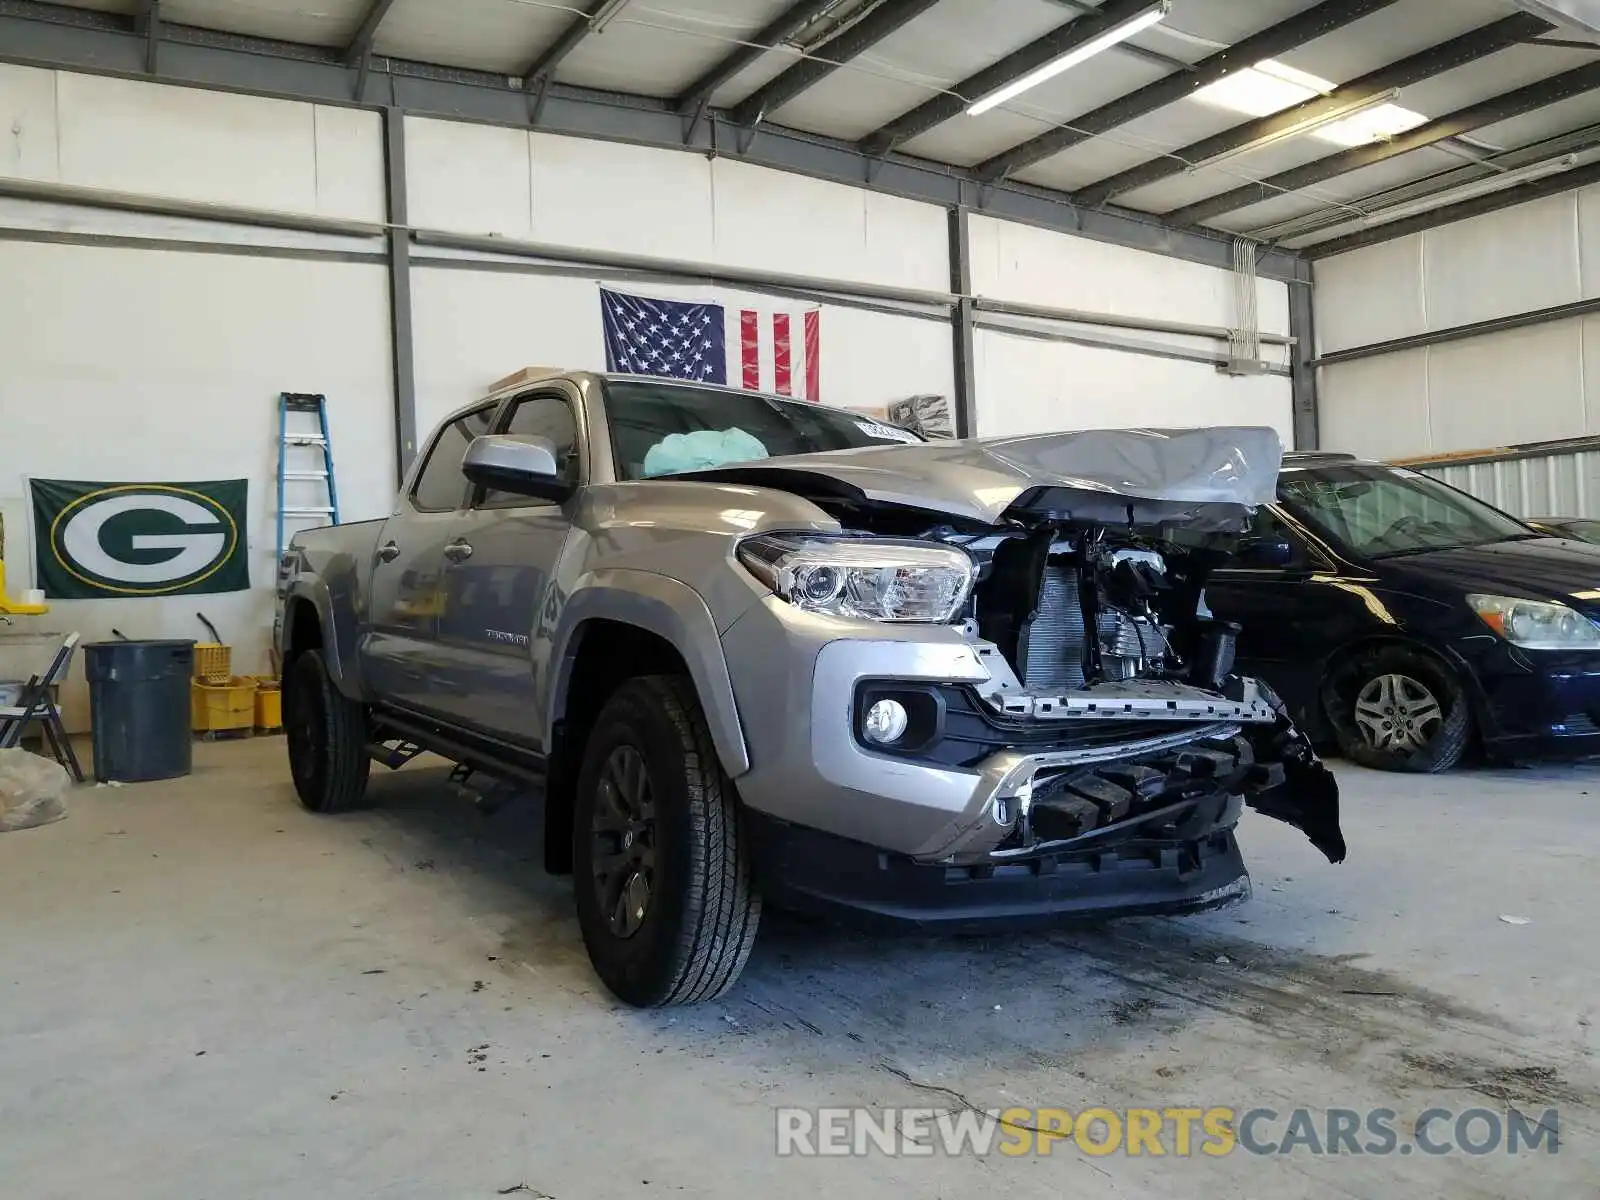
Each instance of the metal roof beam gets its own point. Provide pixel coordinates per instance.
(591, 20)
(1463, 120)
(827, 58)
(361, 45)
(1553, 185)
(1294, 229)
(779, 30)
(1279, 39)
(1150, 56)
(950, 104)
(96, 43)
(1436, 60)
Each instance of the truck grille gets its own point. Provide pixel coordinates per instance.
(1052, 652)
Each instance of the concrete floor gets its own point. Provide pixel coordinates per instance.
(206, 992)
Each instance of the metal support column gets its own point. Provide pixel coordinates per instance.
(961, 323)
(1303, 373)
(147, 24)
(400, 339)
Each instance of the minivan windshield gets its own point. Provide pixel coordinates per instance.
(659, 427)
(1380, 512)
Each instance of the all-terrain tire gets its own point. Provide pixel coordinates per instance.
(700, 923)
(1449, 739)
(327, 736)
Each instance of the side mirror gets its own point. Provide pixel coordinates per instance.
(523, 466)
(1266, 552)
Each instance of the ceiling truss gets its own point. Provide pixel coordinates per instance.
(822, 37)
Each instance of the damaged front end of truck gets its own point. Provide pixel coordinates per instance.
(1106, 719)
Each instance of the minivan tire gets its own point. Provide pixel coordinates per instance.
(661, 865)
(1366, 674)
(327, 736)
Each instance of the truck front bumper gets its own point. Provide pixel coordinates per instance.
(808, 871)
(797, 680)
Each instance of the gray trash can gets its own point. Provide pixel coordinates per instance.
(139, 709)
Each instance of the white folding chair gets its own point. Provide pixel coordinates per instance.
(38, 703)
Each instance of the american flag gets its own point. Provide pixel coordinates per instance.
(760, 351)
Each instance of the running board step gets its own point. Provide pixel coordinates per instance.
(393, 757)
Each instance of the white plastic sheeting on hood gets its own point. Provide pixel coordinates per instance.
(1234, 465)
(1230, 465)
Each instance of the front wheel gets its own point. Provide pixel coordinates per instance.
(661, 867)
(327, 738)
(1399, 710)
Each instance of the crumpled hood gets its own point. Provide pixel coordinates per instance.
(981, 479)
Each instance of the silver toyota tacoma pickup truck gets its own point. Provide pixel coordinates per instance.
(755, 650)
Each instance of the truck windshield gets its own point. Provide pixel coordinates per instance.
(1380, 512)
(660, 428)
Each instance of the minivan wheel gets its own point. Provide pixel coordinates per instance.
(661, 869)
(327, 739)
(1399, 710)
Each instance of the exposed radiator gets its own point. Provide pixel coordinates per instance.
(1053, 647)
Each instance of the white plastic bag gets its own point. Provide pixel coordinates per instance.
(31, 790)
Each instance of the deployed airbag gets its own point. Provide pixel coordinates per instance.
(701, 450)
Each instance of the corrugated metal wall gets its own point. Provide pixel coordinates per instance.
(1556, 481)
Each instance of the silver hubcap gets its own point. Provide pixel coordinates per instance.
(1397, 713)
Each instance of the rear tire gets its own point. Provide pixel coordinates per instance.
(327, 736)
(1396, 709)
(661, 867)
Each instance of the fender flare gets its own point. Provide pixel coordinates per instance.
(674, 612)
(338, 646)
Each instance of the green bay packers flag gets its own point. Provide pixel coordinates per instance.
(100, 540)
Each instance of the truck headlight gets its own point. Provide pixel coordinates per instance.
(1536, 624)
(877, 580)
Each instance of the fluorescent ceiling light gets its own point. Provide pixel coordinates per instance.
(1375, 125)
(1338, 115)
(1471, 191)
(1117, 33)
(1271, 87)
(1266, 88)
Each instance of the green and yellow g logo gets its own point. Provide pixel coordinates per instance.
(143, 539)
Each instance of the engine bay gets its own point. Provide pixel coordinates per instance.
(1074, 608)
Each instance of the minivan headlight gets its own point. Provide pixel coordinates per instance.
(1536, 624)
(868, 578)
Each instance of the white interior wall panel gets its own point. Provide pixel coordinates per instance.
(1495, 389)
(1525, 385)
(1376, 407)
(474, 327)
(122, 135)
(1513, 261)
(1370, 295)
(1522, 385)
(168, 369)
(611, 197)
(1036, 386)
(1029, 385)
(1023, 264)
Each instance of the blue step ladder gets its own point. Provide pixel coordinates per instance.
(311, 473)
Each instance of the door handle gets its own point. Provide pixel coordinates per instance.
(388, 552)
(458, 551)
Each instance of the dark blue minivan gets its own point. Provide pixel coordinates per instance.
(1408, 621)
